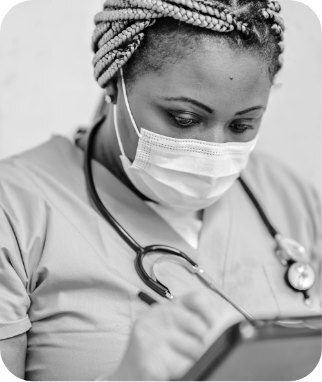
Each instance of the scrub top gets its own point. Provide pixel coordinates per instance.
(68, 279)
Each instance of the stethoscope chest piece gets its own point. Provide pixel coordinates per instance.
(299, 275)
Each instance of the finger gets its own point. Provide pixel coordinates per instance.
(191, 323)
(202, 305)
(186, 346)
(173, 363)
(177, 317)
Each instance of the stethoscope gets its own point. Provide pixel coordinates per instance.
(299, 274)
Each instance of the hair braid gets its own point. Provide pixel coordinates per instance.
(121, 26)
(271, 14)
(117, 40)
(104, 32)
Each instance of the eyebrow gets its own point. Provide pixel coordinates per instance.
(190, 100)
(250, 109)
(207, 108)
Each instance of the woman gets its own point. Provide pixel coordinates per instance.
(187, 83)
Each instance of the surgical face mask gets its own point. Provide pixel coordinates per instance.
(183, 174)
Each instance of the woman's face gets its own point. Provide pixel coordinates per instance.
(214, 95)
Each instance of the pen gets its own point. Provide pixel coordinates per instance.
(146, 298)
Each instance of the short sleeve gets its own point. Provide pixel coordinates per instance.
(317, 231)
(14, 299)
(316, 251)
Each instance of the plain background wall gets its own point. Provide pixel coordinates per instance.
(47, 85)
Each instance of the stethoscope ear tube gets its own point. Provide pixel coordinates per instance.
(140, 251)
(156, 285)
(163, 250)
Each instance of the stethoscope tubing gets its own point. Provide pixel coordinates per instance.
(273, 232)
(94, 195)
(141, 252)
(121, 230)
(125, 235)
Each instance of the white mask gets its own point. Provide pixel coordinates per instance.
(184, 174)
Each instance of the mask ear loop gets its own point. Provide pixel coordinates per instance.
(128, 105)
(117, 131)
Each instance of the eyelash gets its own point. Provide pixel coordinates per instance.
(184, 125)
(190, 122)
(240, 130)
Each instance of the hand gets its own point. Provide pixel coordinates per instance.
(171, 337)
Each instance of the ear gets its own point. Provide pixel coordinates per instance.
(111, 91)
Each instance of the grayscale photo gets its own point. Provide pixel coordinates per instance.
(160, 190)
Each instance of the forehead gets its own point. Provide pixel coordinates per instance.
(215, 74)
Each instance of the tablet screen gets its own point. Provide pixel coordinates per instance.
(271, 353)
(278, 359)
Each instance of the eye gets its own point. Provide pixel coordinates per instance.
(184, 120)
(240, 127)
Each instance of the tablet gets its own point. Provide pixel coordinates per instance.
(284, 349)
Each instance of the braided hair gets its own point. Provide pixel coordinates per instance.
(127, 29)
